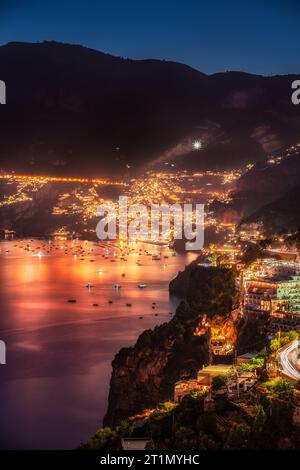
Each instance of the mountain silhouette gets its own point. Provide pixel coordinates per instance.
(73, 110)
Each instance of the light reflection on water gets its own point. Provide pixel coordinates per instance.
(54, 387)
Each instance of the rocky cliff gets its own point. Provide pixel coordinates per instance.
(145, 374)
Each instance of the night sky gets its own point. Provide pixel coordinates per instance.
(249, 35)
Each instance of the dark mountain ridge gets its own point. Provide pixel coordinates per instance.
(67, 104)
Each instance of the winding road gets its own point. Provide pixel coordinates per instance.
(286, 361)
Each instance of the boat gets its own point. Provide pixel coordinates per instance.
(142, 286)
(72, 301)
(89, 285)
(118, 286)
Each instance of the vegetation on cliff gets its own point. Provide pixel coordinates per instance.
(145, 374)
(263, 419)
(209, 289)
(267, 416)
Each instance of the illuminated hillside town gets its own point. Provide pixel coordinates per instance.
(149, 233)
(267, 288)
(266, 269)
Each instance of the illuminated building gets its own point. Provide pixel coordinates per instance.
(272, 291)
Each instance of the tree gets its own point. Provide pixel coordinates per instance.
(250, 366)
(282, 386)
(185, 439)
(282, 339)
(125, 428)
(218, 382)
(103, 437)
(292, 335)
(274, 345)
(259, 420)
(238, 437)
(207, 443)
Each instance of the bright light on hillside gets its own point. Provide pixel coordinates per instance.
(197, 145)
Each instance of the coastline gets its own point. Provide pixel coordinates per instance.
(144, 374)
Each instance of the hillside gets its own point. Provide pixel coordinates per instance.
(67, 104)
(268, 192)
(280, 215)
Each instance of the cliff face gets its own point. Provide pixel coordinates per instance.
(145, 374)
(208, 289)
